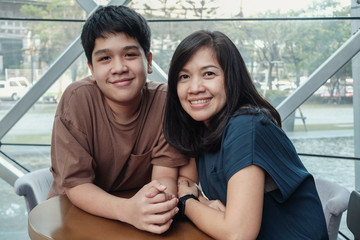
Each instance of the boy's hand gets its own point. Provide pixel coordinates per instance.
(152, 209)
(158, 188)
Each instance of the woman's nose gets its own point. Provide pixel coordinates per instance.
(196, 85)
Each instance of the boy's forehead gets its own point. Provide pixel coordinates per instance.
(114, 42)
(115, 34)
(119, 37)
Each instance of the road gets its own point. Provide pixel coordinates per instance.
(342, 114)
(40, 118)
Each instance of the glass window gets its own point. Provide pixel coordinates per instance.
(283, 44)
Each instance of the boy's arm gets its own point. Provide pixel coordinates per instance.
(189, 171)
(167, 176)
(150, 214)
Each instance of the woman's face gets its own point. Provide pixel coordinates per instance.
(201, 86)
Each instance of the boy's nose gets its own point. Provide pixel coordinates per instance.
(119, 66)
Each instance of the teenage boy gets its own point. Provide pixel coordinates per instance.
(107, 134)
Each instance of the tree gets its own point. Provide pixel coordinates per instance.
(167, 35)
(54, 37)
(200, 8)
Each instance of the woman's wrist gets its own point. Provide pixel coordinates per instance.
(182, 203)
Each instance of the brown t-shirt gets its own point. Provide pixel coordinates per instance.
(89, 146)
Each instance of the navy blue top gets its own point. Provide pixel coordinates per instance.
(292, 208)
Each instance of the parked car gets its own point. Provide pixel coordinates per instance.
(14, 88)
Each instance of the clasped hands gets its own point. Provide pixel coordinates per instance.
(154, 209)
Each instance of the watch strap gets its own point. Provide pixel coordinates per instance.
(181, 204)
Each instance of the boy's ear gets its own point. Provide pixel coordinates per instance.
(149, 62)
(91, 69)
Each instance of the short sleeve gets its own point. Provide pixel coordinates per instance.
(253, 139)
(72, 163)
(166, 155)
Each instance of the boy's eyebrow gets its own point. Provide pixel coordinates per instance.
(106, 50)
(131, 47)
(101, 51)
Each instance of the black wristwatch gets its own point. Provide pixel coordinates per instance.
(181, 204)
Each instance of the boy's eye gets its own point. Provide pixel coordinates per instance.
(104, 58)
(131, 54)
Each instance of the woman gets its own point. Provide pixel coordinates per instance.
(243, 158)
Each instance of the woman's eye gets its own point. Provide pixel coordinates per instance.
(183, 76)
(209, 73)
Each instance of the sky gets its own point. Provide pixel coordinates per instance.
(251, 7)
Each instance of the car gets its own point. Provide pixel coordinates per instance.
(14, 88)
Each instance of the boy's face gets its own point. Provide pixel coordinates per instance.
(120, 67)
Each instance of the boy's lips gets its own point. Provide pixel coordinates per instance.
(122, 82)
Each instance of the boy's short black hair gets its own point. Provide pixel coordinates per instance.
(112, 20)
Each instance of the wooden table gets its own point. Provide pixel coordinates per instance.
(57, 218)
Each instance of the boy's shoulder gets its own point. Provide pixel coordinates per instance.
(87, 81)
(81, 87)
(81, 92)
(156, 86)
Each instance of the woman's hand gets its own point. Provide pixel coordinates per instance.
(186, 186)
(215, 204)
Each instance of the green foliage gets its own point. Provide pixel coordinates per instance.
(272, 50)
(52, 34)
(275, 96)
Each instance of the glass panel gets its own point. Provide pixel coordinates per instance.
(280, 54)
(13, 214)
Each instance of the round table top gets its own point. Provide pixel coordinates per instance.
(57, 218)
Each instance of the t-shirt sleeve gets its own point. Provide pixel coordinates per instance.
(72, 163)
(250, 140)
(166, 155)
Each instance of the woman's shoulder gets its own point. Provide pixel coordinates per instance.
(252, 124)
(249, 117)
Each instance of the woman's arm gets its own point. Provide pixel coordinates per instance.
(242, 216)
(189, 173)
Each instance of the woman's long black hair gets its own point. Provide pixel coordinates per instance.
(188, 135)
